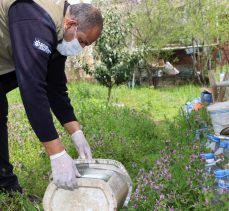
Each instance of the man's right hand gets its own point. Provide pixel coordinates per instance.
(64, 171)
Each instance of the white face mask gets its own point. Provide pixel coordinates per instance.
(71, 48)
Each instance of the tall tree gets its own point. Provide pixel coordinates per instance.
(159, 23)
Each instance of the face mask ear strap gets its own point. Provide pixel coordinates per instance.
(77, 29)
(75, 32)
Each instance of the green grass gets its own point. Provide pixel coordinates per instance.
(158, 103)
(133, 134)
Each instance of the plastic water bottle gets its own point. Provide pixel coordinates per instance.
(222, 179)
(196, 100)
(201, 132)
(211, 163)
(207, 156)
(188, 108)
(189, 105)
(223, 148)
(223, 153)
(213, 142)
(197, 135)
(221, 77)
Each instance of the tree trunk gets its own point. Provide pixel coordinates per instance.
(109, 94)
(133, 80)
(195, 73)
(155, 81)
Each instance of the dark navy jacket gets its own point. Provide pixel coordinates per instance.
(39, 68)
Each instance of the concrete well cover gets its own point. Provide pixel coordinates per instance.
(104, 186)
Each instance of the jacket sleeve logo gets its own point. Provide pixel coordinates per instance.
(42, 46)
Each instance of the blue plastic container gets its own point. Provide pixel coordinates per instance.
(206, 98)
(213, 142)
(224, 187)
(224, 144)
(222, 178)
(222, 174)
(207, 156)
(213, 138)
(223, 148)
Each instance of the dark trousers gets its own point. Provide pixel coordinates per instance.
(8, 82)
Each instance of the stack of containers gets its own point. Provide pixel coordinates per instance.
(210, 162)
(222, 178)
(217, 162)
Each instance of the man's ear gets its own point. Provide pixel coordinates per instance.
(69, 22)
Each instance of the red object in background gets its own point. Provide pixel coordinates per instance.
(198, 106)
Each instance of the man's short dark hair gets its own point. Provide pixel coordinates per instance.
(87, 15)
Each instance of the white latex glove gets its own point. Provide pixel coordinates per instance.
(64, 171)
(81, 145)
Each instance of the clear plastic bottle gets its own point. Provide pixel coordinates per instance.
(213, 142)
(223, 148)
(211, 162)
(207, 156)
(223, 153)
(201, 132)
(222, 179)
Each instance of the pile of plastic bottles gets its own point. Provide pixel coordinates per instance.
(217, 162)
(198, 103)
(188, 107)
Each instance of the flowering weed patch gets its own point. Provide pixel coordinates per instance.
(162, 158)
(178, 180)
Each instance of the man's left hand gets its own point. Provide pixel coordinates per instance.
(81, 145)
